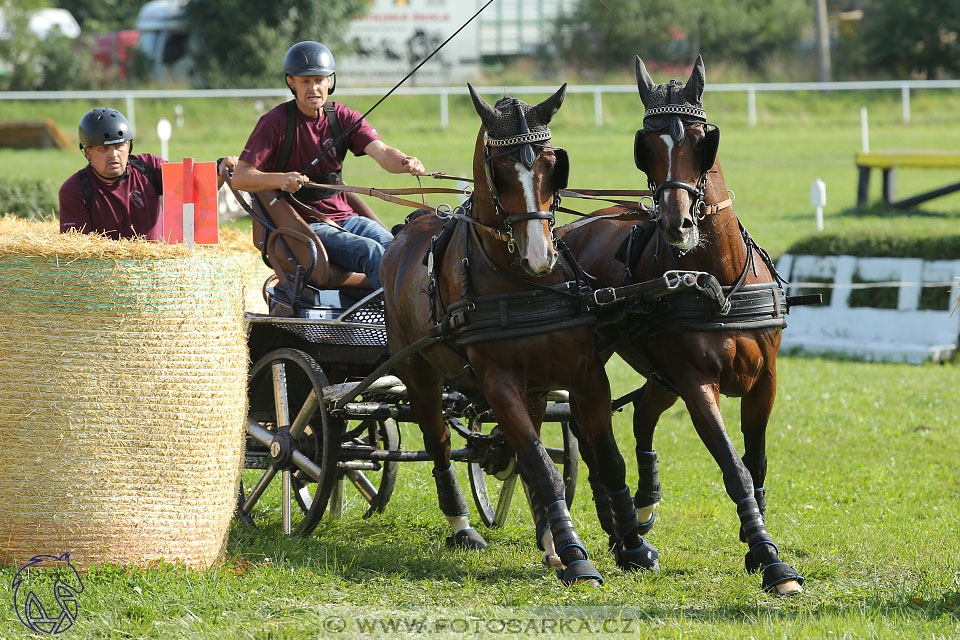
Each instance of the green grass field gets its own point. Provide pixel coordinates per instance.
(863, 481)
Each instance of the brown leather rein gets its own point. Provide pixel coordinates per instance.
(635, 209)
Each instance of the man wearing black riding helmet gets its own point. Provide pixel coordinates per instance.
(273, 160)
(117, 193)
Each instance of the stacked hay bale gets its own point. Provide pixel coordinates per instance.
(122, 398)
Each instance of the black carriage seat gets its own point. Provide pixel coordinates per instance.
(304, 280)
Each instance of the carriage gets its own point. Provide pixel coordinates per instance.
(324, 411)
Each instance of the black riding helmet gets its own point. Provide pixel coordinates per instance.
(103, 126)
(309, 58)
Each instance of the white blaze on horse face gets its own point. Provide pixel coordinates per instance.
(538, 254)
(684, 240)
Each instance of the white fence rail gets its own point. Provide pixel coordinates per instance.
(906, 333)
(443, 93)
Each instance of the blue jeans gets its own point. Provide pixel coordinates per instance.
(357, 247)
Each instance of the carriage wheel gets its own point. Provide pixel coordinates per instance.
(373, 481)
(494, 504)
(287, 416)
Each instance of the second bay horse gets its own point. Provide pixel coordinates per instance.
(694, 350)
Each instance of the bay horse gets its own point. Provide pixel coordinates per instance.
(501, 252)
(685, 346)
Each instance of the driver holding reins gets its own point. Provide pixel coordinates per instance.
(272, 159)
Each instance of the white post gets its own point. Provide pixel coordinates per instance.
(818, 198)
(752, 106)
(131, 115)
(864, 131)
(598, 108)
(905, 103)
(444, 110)
(164, 129)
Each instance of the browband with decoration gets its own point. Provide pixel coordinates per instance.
(524, 138)
(677, 109)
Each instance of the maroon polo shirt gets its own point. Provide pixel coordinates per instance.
(313, 136)
(125, 208)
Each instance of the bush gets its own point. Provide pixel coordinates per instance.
(31, 198)
(864, 244)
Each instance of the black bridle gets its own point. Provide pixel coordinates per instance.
(521, 145)
(698, 207)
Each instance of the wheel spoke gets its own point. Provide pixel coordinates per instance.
(306, 412)
(259, 488)
(363, 484)
(335, 506)
(286, 516)
(280, 402)
(503, 502)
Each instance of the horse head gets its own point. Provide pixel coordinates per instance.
(676, 148)
(521, 176)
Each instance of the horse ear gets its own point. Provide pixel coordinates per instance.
(698, 78)
(549, 107)
(488, 115)
(644, 82)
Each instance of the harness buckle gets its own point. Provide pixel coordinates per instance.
(607, 291)
(443, 211)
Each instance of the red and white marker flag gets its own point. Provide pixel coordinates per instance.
(190, 202)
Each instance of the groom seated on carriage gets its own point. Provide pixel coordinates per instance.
(290, 146)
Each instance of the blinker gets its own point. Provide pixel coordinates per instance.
(677, 130)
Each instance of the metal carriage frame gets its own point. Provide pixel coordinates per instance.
(323, 420)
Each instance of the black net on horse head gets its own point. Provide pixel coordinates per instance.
(673, 106)
(514, 128)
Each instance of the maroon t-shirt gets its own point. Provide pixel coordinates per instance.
(125, 208)
(313, 136)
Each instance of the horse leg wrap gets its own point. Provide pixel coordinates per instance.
(541, 524)
(760, 495)
(642, 555)
(455, 508)
(577, 566)
(762, 548)
(648, 489)
(602, 502)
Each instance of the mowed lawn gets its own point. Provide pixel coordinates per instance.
(862, 484)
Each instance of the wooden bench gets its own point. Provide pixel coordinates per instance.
(888, 161)
(31, 134)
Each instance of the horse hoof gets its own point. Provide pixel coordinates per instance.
(645, 557)
(552, 561)
(580, 572)
(466, 539)
(780, 578)
(788, 588)
(651, 514)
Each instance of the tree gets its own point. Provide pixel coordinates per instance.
(920, 38)
(741, 31)
(241, 43)
(28, 62)
(102, 16)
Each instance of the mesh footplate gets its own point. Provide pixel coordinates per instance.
(360, 325)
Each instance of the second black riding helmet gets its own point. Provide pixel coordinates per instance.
(103, 126)
(309, 58)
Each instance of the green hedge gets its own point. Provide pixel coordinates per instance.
(33, 198)
(864, 244)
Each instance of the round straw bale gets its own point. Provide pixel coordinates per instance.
(122, 398)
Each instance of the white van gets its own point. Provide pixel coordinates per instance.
(163, 37)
